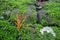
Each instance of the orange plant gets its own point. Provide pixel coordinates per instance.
(19, 20)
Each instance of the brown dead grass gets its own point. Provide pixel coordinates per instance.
(19, 20)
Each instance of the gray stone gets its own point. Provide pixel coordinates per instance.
(7, 12)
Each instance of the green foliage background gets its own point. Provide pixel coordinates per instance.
(9, 32)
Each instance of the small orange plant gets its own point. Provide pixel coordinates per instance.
(19, 20)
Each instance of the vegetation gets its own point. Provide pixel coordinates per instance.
(18, 20)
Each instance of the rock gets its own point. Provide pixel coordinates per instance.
(7, 12)
(48, 30)
(29, 11)
(1, 17)
(16, 10)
